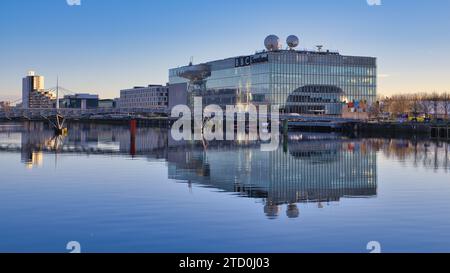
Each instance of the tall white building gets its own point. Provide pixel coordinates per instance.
(150, 97)
(33, 93)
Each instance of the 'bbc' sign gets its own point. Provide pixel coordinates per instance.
(249, 60)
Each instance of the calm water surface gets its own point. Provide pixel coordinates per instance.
(114, 192)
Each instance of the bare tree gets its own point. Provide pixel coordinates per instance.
(415, 104)
(375, 110)
(435, 99)
(426, 103)
(399, 104)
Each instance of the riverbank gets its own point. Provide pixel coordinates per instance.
(431, 130)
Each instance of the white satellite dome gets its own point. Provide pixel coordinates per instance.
(272, 42)
(292, 41)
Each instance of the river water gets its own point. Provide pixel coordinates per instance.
(114, 191)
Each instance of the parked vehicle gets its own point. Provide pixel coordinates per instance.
(420, 118)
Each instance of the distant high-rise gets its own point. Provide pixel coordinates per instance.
(33, 93)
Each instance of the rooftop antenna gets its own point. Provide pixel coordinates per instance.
(191, 61)
(319, 48)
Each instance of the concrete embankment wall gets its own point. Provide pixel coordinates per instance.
(395, 128)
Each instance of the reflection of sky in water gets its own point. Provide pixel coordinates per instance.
(8, 134)
(321, 194)
(10, 138)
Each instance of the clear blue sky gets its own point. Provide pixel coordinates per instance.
(103, 46)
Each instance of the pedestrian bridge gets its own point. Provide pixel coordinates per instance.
(70, 113)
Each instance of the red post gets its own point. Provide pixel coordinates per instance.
(133, 125)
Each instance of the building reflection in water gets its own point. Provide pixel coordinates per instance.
(34, 138)
(308, 168)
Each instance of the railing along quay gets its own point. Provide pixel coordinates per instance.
(440, 131)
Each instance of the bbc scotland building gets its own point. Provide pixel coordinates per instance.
(283, 77)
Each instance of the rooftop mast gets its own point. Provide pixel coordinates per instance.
(57, 92)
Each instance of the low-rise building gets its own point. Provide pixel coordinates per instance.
(152, 96)
(5, 105)
(107, 103)
(79, 101)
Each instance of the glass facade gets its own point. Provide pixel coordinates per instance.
(270, 77)
(315, 99)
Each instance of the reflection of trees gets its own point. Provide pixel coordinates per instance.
(430, 154)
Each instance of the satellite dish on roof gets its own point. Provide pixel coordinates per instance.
(292, 41)
(272, 42)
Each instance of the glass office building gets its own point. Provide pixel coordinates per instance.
(269, 77)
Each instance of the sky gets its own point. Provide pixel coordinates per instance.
(102, 46)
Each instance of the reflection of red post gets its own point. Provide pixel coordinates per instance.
(133, 124)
